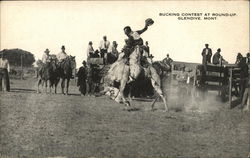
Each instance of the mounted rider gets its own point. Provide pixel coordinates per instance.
(46, 58)
(134, 40)
(61, 57)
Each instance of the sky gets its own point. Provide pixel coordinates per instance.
(37, 25)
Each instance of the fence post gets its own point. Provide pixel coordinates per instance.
(230, 87)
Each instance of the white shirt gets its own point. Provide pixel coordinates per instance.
(104, 45)
(135, 35)
(90, 49)
(4, 63)
(62, 55)
(45, 58)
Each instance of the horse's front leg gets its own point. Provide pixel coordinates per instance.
(67, 87)
(56, 83)
(50, 85)
(120, 98)
(63, 85)
(46, 85)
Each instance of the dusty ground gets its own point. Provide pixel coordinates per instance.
(49, 125)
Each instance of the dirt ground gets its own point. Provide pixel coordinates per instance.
(52, 125)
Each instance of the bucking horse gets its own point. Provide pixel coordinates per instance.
(122, 73)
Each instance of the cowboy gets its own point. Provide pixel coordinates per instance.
(103, 47)
(134, 38)
(90, 50)
(82, 77)
(46, 56)
(45, 59)
(4, 72)
(62, 55)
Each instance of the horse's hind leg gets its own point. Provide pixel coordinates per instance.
(158, 89)
(38, 84)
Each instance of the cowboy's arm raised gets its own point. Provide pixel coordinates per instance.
(143, 30)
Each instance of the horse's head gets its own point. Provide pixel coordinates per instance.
(72, 62)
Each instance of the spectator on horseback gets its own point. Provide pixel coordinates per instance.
(62, 55)
(103, 47)
(90, 50)
(82, 77)
(46, 56)
(45, 59)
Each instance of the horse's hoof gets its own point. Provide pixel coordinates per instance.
(127, 103)
(166, 110)
(153, 109)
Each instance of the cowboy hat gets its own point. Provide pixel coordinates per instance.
(149, 21)
(46, 51)
(63, 47)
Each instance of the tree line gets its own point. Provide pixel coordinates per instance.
(14, 57)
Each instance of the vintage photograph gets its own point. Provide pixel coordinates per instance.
(124, 79)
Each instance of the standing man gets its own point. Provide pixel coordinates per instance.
(62, 55)
(206, 56)
(243, 81)
(82, 77)
(208, 53)
(248, 58)
(104, 45)
(4, 72)
(89, 80)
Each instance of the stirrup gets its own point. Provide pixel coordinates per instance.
(130, 79)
